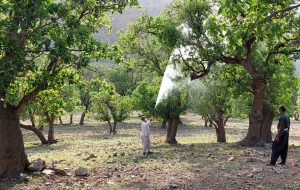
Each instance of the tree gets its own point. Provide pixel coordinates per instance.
(142, 48)
(109, 105)
(86, 87)
(255, 35)
(144, 96)
(214, 102)
(61, 33)
(125, 79)
(279, 90)
(171, 107)
(52, 105)
(70, 95)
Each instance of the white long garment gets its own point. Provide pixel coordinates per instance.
(145, 128)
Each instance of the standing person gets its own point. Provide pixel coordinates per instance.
(281, 141)
(145, 136)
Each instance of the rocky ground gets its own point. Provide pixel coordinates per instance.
(198, 162)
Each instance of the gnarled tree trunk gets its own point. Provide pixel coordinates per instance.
(268, 114)
(13, 159)
(221, 135)
(37, 132)
(172, 130)
(256, 117)
(219, 123)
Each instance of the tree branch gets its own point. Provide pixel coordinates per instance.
(28, 97)
(275, 13)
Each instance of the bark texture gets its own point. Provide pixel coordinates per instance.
(82, 118)
(13, 159)
(51, 119)
(172, 130)
(260, 118)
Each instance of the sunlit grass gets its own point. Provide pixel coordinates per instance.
(197, 151)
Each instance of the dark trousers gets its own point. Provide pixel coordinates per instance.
(280, 149)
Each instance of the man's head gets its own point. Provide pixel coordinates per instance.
(143, 118)
(281, 109)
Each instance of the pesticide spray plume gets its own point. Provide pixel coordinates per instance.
(173, 77)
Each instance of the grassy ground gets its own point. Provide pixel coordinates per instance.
(196, 163)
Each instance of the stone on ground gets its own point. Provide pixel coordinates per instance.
(81, 171)
(37, 165)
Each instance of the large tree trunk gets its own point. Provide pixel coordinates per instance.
(71, 119)
(81, 122)
(13, 159)
(51, 119)
(219, 123)
(220, 131)
(37, 132)
(172, 130)
(268, 114)
(256, 116)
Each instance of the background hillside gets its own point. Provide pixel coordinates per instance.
(120, 21)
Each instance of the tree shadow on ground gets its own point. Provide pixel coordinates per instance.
(46, 148)
(107, 136)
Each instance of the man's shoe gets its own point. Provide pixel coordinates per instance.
(150, 152)
(281, 163)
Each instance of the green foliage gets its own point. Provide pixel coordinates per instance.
(86, 86)
(173, 104)
(51, 102)
(148, 43)
(109, 105)
(70, 95)
(212, 98)
(40, 39)
(124, 79)
(144, 96)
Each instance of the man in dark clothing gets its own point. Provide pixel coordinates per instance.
(281, 141)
